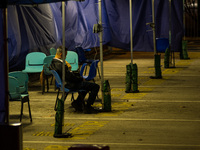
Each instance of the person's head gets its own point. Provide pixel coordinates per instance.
(59, 52)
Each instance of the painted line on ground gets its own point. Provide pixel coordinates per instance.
(125, 119)
(117, 144)
(163, 101)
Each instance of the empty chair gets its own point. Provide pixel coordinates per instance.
(162, 44)
(47, 72)
(82, 58)
(72, 58)
(92, 71)
(15, 95)
(34, 62)
(52, 51)
(22, 77)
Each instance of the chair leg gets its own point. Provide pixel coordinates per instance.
(43, 84)
(47, 83)
(21, 110)
(51, 81)
(29, 108)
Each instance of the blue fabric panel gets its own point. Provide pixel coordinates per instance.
(118, 14)
(2, 83)
(40, 28)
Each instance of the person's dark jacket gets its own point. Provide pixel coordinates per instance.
(72, 80)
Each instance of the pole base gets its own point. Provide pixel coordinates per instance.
(63, 135)
(137, 91)
(154, 77)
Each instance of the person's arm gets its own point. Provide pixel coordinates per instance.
(71, 77)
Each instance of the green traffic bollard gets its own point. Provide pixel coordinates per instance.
(134, 77)
(107, 96)
(157, 67)
(59, 118)
(184, 50)
(166, 58)
(128, 78)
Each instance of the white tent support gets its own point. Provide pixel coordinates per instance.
(101, 47)
(131, 30)
(63, 48)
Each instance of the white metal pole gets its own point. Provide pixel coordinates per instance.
(101, 47)
(131, 30)
(153, 24)
(63, 48)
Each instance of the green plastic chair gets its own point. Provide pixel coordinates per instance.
(34, 62)
(72, 58)
(22, 77)
(47, 72)
(52, 51)
(15, 95)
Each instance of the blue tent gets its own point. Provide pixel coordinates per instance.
(39, 28)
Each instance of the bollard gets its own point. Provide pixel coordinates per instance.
(128, 78)
(157, 67)
(184, 54)
(107, 96)
(134, 77)
(59, 118)
(166, 58)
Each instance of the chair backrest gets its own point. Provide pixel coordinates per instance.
(47, 62)
(82, 69)
(81, 54)
(22, 78)
(59, 82)
(72, 58)
(162, 44)
(35, 58)
(14, 91)
(92, 71)
(52, 51)
(34, 62)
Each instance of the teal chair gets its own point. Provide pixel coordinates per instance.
(22, 77)
(15, 95)
(52, 51)
(34, 62)
(72, 58)
(92, 72)
(47, 72)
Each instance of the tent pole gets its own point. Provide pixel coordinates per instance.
(101, 47)
(154, 31)
(170, 34)
(184, 19)
(6, 64)
(63, 48)
(131, 29)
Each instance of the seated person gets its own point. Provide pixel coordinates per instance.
(76, 83)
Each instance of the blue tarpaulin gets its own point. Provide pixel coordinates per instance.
(40, 28)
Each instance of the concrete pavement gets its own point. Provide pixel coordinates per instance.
(164, 115)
